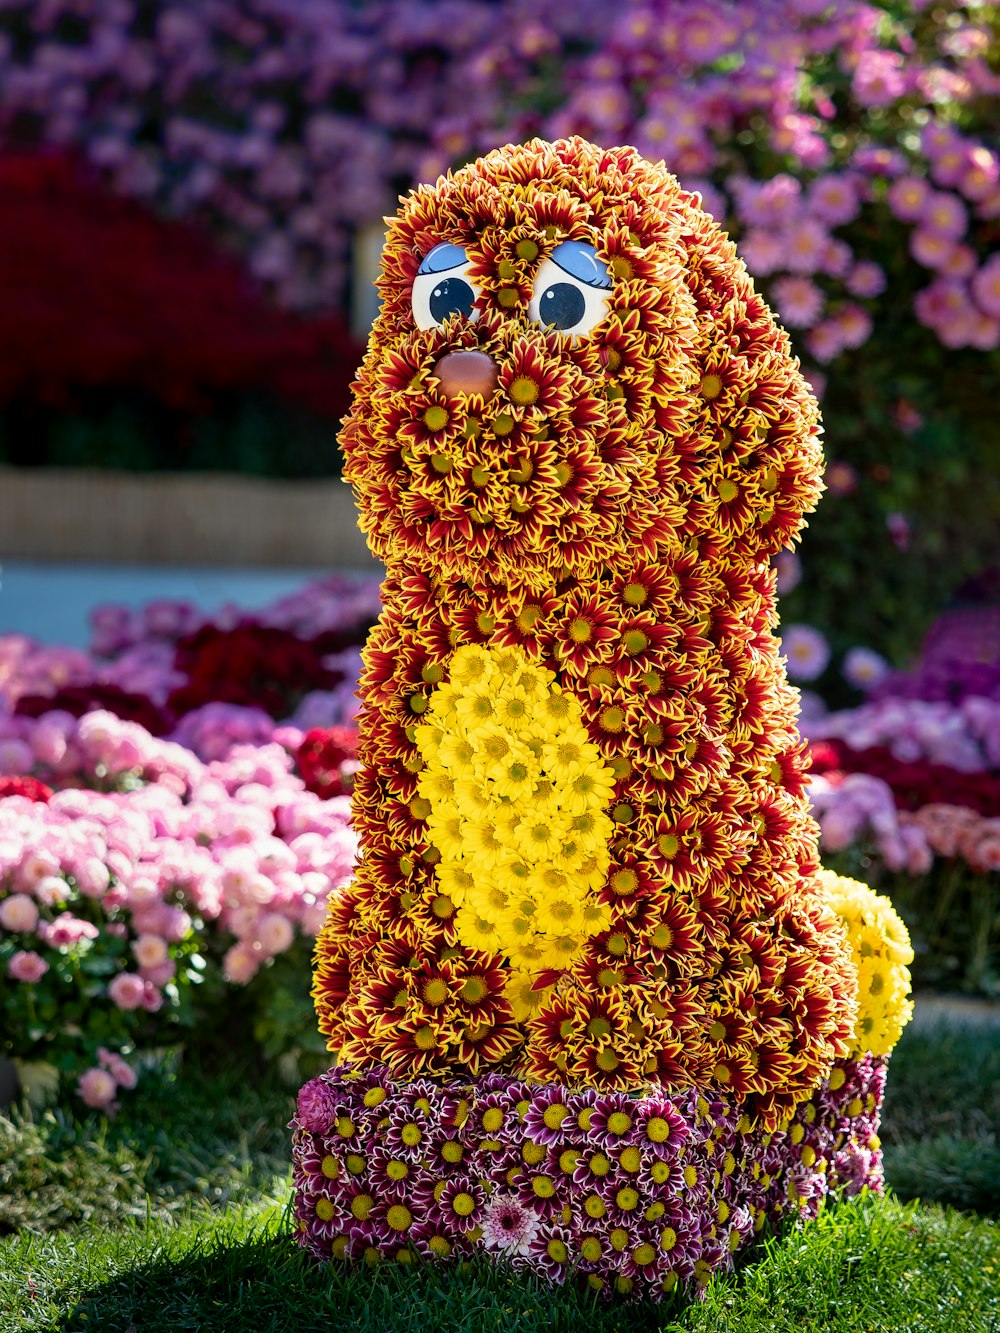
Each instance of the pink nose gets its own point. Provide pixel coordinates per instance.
(466, 372)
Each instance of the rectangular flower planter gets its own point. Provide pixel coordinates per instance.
(178, 518)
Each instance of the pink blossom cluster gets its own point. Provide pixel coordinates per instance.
(963, 736)
(283, 127)
(724, 91)
(859, 810)
(230, 860)
(134, 650)
(809, 127)
(953, 831)
(320, 607)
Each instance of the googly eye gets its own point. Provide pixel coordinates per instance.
(571, 290)
(442, 288)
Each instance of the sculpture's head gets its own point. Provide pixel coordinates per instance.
(571, 367)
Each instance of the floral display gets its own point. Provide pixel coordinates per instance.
(179, 673)
(632, 1196)
(144, 878)
(848, 148)
(126, 914)
(588, 879)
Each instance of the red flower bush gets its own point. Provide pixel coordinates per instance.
(85, 698)
(326, 760)
(252, 665)
(913, 784)
(99, 293)
(25, 786)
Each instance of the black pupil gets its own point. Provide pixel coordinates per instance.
(453, 296)
(562, 305)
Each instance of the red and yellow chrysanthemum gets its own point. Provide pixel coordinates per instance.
(602, 508)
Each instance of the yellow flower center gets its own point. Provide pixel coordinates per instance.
(524, 391)
(399, 1217)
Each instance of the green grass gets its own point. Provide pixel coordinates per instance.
(870, 1266)
(941, 1117)
(172, 1217)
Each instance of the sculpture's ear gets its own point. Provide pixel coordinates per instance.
(757, 421)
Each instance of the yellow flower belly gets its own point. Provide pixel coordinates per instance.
(518, 796)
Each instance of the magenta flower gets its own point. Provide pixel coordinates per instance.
(799, 301)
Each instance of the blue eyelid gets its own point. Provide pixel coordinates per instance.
(580, 260)
(442, 258)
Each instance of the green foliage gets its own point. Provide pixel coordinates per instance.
(870, 1265)
(119, 1223)
(244, 433)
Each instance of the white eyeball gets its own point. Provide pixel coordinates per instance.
(571, 290)
(442, 288)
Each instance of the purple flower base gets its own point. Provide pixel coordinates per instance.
(634, 1195)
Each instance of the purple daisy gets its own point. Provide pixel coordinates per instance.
(549, 1118)
(612, 1120)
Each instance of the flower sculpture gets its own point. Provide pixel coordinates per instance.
(594, 1005)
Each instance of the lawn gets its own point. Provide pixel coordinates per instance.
(173, 1216)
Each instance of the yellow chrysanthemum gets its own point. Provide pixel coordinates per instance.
(880, 947)
(518, 794)
(524, 1000)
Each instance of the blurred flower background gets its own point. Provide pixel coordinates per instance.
(187, 189)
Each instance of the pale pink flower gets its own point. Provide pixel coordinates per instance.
(150, 950)
(275, 933)
(126, 990)
(36, 866)
(805, 650)
(52, 891)
(67, 930)
(825, 342)
(97, 1088)
(161, 973)
(508, 1226)
(834, 199)
(907, 197)
(960, 263)
(804, 246)
(933, 249)
(762, 252)
(854, 325)
(945, 213)
(866, 279)
(240, 964)
(91, 876)
(864, 668)
(26, 965)
(120, 1070)
(18, 913)
(879, 78)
